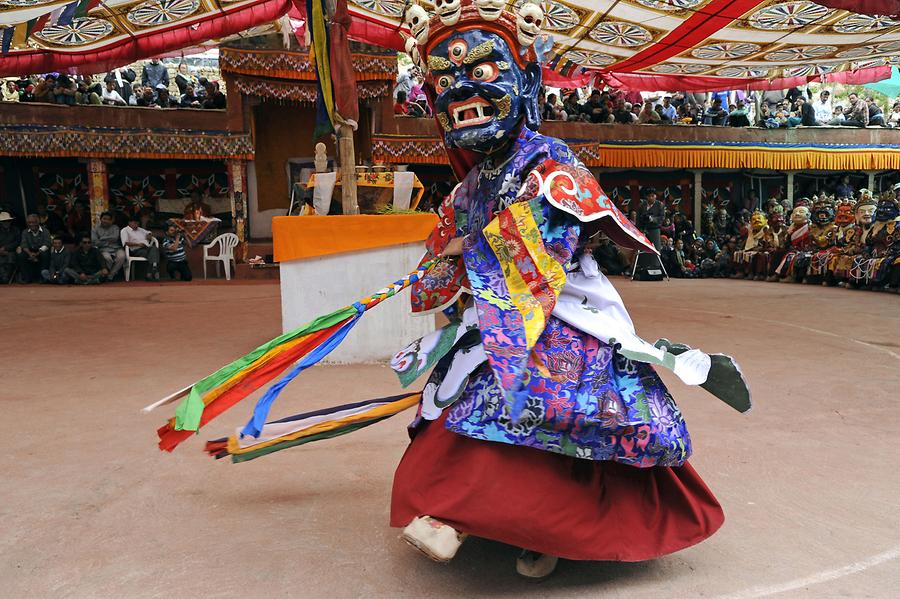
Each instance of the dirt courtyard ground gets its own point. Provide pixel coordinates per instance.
(89, 508)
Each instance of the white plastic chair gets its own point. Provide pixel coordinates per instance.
(226, 242)
(130, 260)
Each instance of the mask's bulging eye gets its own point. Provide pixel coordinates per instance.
(457, 51)
(443, 83)
(485, 72)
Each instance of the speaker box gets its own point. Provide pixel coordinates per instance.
(647, 268)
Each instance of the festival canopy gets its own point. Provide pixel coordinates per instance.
(640, 44)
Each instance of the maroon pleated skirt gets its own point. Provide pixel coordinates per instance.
(550, 503)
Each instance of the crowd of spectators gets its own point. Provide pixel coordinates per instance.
(71, 251)
(409, 95)
(120, 87)
(772, 110)
(724, 227)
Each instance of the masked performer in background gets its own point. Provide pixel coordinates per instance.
(543, 424)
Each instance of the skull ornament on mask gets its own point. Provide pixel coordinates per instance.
(528, 22)
(448, 11)
(490, 10)
(417, 21)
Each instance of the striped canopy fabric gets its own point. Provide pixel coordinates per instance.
(680, 44)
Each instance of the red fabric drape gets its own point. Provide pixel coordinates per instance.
(867, 7)
(346, 100)
(698, 27)
(646, 82)
(183, 35)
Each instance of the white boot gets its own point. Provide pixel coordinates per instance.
(432, 537)
(532, 564)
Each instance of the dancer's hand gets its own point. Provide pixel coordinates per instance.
(454, 248)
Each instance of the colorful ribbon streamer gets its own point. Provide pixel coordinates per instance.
(305, 346)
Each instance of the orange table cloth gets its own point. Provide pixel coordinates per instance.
(300, 237)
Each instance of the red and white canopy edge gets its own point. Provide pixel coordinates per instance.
(639, 44)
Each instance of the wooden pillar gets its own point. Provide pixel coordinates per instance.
(98, 188)
(348, 169)
(237, 184)
(698, 201)
(789, 192)
(871, 184)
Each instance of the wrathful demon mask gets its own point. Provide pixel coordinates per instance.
(887, 210)
(843, 216)
(482, 66)
(822, 213)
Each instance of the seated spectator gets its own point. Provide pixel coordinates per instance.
(137, 92)
(110, 96)
(739, 117)
(681, 266)
(893, 120)
(822, 108)
(106, 238)
(595, 109)
(146, 98)
(807, 113)
(64, 91)
(214, 98)
(175, 249)
(837, 116)
(10, 237)
(86, 266)
(138, 241)
(85, 95)
(400, 104)
(57, 264)
(552, 110)
(622, 113)
(10, 91)
(668, 111)
(163, 100)
(648, 116)
(122, 82)
(572, 108)
(715, 114)
(857, 113)
(189, 99)
(43, 91)
(876, 116)
(662, 118)
(32, 253)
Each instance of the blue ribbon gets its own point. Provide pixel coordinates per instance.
(261, 410)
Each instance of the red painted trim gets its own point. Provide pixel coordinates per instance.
(138, 46)
(716, 15)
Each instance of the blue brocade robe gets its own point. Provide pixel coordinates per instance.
(531, 375)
